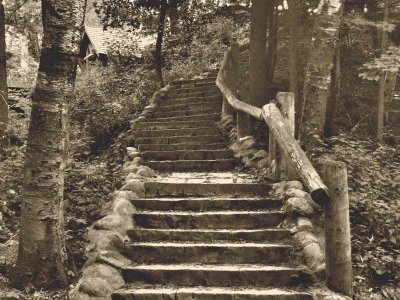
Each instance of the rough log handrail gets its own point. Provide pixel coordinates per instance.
(271, 114)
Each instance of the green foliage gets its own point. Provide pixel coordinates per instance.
(388, 62)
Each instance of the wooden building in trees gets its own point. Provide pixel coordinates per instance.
(93, 46)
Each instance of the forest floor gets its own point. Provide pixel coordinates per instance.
(374, 186)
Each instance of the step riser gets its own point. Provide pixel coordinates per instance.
(194, 165)
(180, 140)
(154, 189)
(191, 106)
(207, 296)
(231, 221)
(210, 278)
(180, 147)
(141, 235)
(177, 132)
(169, 125)
(207, 80)
(191, 101)
(210, 117)
(185, 90)
(205, 205)
(187, 155)
(185, 113)
(194, 94)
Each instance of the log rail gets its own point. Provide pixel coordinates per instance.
(291, 162)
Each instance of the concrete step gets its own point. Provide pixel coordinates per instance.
(214, 275)
(202, 293)
(191, 106)
(205, 204)
(188, 155)
(234, 190)
(184, 113)
(198, 117)
(192, 165)
(174, 125)
(194, 81)
(177, 132)
(207, 235)
(189, 89)
(203, 94)
(200, 139)
(180, 147)
(191, 100)
(209, 219)
(207, 253)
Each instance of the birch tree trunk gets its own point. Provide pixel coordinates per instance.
(42, 253)
(3, 79)
(160, 36)
(293, 57)
(258, 53)
(173, 15)
(319, 68)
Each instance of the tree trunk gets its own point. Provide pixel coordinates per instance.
(334, 93)
(258, 53)
(380, 103)
(160, 36)
(319, 68)
(3, 79)
(272, 40)
(42, 252)
(173, 15)
(390, 86)
(293, 57)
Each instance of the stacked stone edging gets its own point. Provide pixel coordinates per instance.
(101, 274)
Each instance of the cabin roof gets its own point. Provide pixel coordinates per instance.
(97, 37)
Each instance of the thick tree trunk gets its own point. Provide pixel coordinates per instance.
(272, 40)
(293, 57)
(173, 15)
(42, 253)
(3, 79)
(258, 53)
(380, 103)
(334, 94)
(319, 68)
(160, 36)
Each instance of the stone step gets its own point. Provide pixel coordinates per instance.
(205, 204)
(189, 89)
(180, 147)
(200, 139)
(207, 253)
(192, 165)
(207, 235)
(185, 113)
(234, 190)
(209, 219)
(199, 117)
(174, 125)
(191, 106)
(202, 293)
(188, 155)
(177, 132)
(215, 275)
(191, 100)
(194, 81)
(203, 94)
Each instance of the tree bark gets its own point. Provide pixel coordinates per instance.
(272, 40)
(380, 103)
(293, 57)
(3, 79)
(258, 53)
(319, 68)
(173, 15)
(42, 252)
(160, 36)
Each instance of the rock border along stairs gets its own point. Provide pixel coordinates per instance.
(207, 232)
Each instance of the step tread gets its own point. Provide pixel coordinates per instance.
(208, 213)
(212, 267)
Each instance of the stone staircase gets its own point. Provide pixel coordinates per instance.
(203, 230)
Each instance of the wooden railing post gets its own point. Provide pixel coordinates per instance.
(337, 229)
(242, 119)
(227, 109)
(285, 103)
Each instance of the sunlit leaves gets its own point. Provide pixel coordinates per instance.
(388, 62)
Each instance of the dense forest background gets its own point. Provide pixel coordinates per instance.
(107, 99)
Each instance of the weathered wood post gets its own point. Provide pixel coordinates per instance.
(242, 119)
(227, 109)
(285, 103)
(337, 229)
